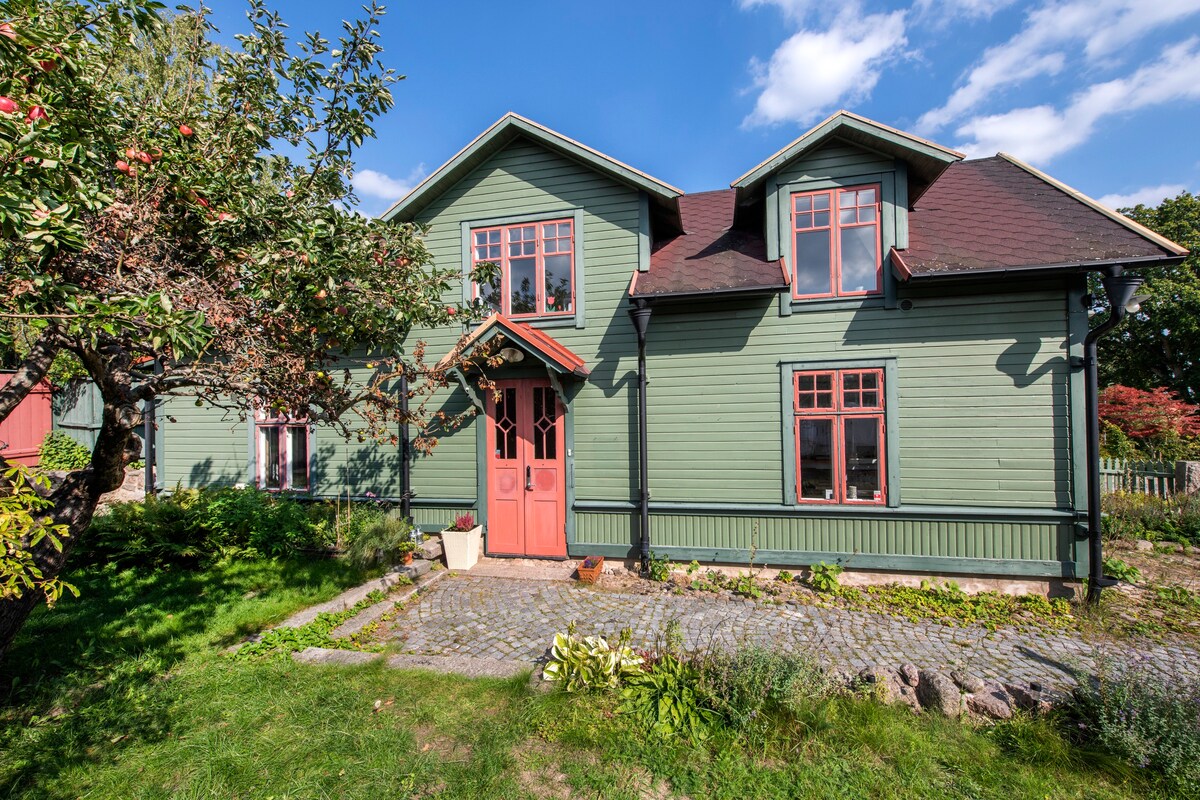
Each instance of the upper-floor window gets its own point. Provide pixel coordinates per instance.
(839, 428)
(282, 452)
(537, 267)
(835, 242)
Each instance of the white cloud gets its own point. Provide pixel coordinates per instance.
(1052, 32)
(1040, 133)
(943, 11)
(373, 183)
(814, 71)
(1146, 196)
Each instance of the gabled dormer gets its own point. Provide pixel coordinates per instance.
(834, 203)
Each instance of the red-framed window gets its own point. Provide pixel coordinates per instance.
(282, 453)
(840, 437)
(537, 267)
(835, 243)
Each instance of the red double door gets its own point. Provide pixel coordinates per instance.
(525, 471)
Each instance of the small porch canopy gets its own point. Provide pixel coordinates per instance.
(558, 359)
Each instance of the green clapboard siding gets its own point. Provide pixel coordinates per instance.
(201, 445)
(869, 543)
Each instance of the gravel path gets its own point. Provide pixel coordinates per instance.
(516, 619)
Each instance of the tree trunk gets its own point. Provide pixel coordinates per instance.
(75, 500)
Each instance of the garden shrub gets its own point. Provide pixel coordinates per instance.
(60, 452)
(1130, 515)
(754, 682)
(195, 526)
(381, 541)
(590, 662)
(669, 699)
(1153, 722)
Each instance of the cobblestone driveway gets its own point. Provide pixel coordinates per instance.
(515, 619)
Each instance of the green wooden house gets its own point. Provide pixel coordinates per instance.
(864, 350)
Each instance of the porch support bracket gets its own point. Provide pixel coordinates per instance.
(558, 389)
(472, 391)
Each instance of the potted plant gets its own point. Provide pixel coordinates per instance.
(461, 542)
(406, 550)
(590, 568)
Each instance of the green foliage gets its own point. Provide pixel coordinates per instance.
(784, 576)
(949, 604)
(746, 586)
(824, 577)
(1152, 721)
(1160, 345)
(590, 662)
(1116, 568)
(659, 568)
(282, 641)
(60, 452)
(751, 685)
(192, 527)
(1132, 515)
(668, 700)
(382, 541)
(23, 528)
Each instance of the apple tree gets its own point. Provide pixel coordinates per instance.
(178, 217)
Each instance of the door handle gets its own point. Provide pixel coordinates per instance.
(528, 479)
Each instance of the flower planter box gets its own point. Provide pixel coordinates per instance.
(590, 568)
(462, 547)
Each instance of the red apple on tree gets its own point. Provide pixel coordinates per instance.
(36, 113)
(123, 166)
(185, 130)
(8, 105)
(6, 30)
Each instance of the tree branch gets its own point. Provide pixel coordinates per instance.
(31, 372)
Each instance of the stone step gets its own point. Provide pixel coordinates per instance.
(323, 655)
(468, 666)
(416, 569)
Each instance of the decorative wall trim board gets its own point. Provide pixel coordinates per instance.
(788, 558)
(809, 512)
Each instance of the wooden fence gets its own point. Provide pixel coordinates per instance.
(1140, 477)
(21, 433)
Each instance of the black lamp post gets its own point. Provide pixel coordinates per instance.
(1120, 289)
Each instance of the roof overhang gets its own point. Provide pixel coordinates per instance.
(905, 274)
(926, 160)
(663, 197)
(555, 356)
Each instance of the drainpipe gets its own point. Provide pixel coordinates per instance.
(640, 314)
(405, 454)
(150, 455)
(1120, 289)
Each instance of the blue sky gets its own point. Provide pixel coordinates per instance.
(1102, 94)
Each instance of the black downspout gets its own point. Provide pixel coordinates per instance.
(405, 454)
(1120, 289)
(640, 314)
(148, 440)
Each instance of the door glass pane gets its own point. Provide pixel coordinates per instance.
(298, 457)
(861, 451)
(816, 459)
(268, 442)
(522, 285)
(812, 263)
(545, 440)
(506, 424)
(859, 265)
(558, 283)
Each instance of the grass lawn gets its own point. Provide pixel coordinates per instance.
(123, 693)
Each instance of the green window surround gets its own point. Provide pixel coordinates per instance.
(787, 385)
(576, 215)
(893, 215)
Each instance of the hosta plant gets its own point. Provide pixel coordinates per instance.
(590, 662)
(668, 699)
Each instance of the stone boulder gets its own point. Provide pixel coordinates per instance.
(967, 682)
(910, 674)
(937, 692)
(992, 701)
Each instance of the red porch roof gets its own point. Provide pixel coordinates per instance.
(541, 344)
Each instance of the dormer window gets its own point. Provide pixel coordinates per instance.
(537, 267)
(835, 238)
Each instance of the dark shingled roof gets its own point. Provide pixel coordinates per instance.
(709, 257)
(993, 215)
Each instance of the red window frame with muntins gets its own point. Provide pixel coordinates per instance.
(835, 212)
(835, 397)
(502, 244)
